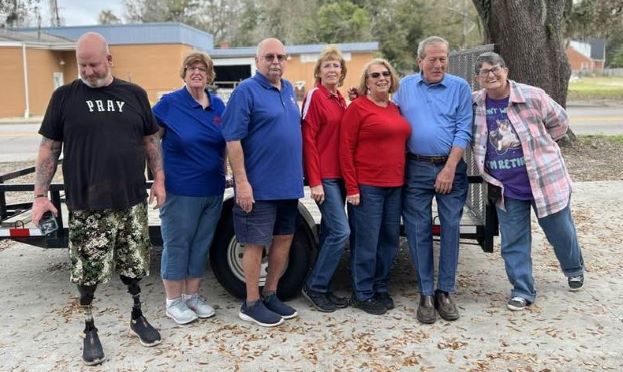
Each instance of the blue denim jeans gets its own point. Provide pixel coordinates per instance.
(418, 194)
(516, 239)
(334, 232)
(188, 224)
(375, 237)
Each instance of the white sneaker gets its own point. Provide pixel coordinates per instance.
(180, 312)
(199, 305)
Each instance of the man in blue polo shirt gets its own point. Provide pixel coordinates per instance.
(439, 108)
(261, 125)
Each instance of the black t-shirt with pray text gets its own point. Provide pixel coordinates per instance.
(102, 131)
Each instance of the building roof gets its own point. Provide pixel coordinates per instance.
(598, 48)
(175, 33)
(371, 46)
(35, 38)
(140, 33)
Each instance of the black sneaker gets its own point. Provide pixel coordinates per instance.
(370, 306)
(319, 300)
(385, 299)
(147, 335)
(92, 351)
(576, 282)
(339, 302)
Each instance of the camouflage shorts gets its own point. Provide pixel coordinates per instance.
(109, 239)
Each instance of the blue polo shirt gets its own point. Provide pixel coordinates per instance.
(193, 147)
(440, 114)
(267, 121)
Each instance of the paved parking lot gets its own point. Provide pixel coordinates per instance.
(40, 321)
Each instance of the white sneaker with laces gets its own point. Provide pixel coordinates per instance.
(180, 312)
(199, 305)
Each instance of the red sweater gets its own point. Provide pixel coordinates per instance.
(373, 143)
(322, 115)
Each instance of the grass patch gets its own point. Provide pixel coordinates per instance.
(596, 88)
(616, 138)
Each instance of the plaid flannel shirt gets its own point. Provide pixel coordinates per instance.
(539, 121)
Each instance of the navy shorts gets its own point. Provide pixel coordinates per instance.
(267, 218)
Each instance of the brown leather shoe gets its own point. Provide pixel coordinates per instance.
(445, 306)
(426, 310)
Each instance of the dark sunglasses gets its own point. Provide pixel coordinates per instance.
(271, 57)
(376, 75)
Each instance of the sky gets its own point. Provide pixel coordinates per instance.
(81, 12)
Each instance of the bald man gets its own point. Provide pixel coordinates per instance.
(262, 127)
(106, 131)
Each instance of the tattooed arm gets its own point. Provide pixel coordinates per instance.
(45, 167)
(154, 160)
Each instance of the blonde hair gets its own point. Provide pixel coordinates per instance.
(330, 53)
(200, 57)
(363, 88)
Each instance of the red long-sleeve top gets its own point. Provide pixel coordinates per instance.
(373, 143)
(322, 115)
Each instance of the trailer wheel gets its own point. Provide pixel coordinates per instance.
(226, 260)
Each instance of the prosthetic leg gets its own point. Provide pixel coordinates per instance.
(92, 352)
(139, 326)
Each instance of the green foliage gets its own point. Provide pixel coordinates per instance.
(342, 21)
(107, 17)
(616, 58)
(13, 13)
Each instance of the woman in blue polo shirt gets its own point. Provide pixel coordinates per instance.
(194, 166)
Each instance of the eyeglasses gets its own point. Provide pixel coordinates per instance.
(376, 75)
(271, 57)
(196, 68)
(495, 69)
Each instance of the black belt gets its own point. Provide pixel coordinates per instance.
(430, 159)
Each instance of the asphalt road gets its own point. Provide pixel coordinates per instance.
(19, 141)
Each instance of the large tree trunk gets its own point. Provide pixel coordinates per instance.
(529, 34)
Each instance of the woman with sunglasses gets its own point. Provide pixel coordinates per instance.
(373, 139)
(323, 109)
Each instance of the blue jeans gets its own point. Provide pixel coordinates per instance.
(188, 224)
(419, 191)
(334, 232)
(559, 230)
(375, 238)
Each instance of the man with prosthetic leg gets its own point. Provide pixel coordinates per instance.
(106, 131)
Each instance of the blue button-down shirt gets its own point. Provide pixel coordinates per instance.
(440, 114)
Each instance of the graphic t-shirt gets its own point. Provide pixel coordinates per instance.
(504, 159)
(102, 131)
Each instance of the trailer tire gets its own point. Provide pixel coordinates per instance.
(226, 260)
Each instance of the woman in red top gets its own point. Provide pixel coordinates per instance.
(323, 109)
(373, 137)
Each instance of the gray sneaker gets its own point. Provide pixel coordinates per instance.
(200, 306)
(576, 282)
(517, 303)
(180, 312)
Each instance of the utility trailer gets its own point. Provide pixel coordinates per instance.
(478, 226)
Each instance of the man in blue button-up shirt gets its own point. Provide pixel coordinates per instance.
(439, 108)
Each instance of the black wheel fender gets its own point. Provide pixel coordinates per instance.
(226, 256)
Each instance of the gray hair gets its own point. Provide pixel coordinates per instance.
(491, 58)
(421, 53)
